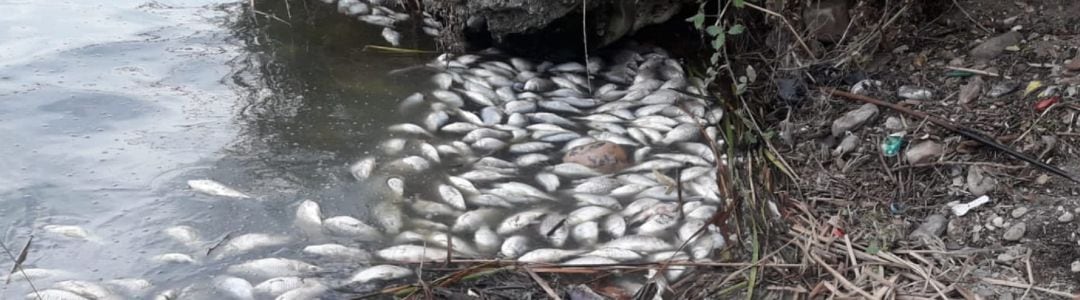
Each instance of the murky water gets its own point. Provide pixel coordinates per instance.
(107, 108)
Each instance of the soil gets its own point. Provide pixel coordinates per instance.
(884, 198)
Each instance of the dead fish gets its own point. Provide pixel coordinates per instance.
(549, 181)
(599, 185)
(276, 286)
(337, 252)
(617, 254)
(530, 147)
(174, 258)
(412, 253)
(553, 230)
(545, 117)
(361, 170)
(396, 185)
(54, 294)
(429, 208)
(351, 227)
(681, 133)
(481, 133)
(393, 146)
(573, 170)
(640, 243)
(214, 188)
(409, 128)
(657, 224)
(459, 127)
(473, 219)
(531, 159)
(247, 242)
(548, 255)
(381, 21)
(588, 260)
(598, 200)
(519, 221)
(483, 176)
(585, 214)
(380, 272)
(628, 189)
(183, 234)
(388, 215)
(452, 196)
(272, 267)
(518, 189)
(514, 246)
(313, 290)
(586, 234)
(491, 115)
(68, 231)
(615, 225)
(463, 185)
(486, 240)
(235, 288)
(86, 289)
(391, 36)
(488, 200)
(448, 97)
(489, 144)
(435, 120)
(38, 274)
(309, 217)
(414, 164)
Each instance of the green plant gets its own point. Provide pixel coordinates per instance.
(717, 34)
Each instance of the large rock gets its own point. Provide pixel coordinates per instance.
(605, 157)
(994, 46)
(525, 23)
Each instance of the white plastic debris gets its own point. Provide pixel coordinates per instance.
(961, 209)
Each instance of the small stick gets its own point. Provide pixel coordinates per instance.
(543, 284)
(977, 71)
(840, 277)
(1024, 286)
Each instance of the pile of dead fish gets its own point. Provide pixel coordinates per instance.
(382, 13)
(480, 174)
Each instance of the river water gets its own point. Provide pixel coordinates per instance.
(107, 108)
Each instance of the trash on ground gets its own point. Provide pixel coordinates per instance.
(891, 146)
(914, 93)
(961, 209)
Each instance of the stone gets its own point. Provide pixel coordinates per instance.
(978, 183)
(970, 91)
(930, 229)
(923, 152)
(1066, 217)
(846, 145)
(827, 19)
(914, 92)
(1074, 64)
(1012, 253)
(994, 46)
(1015, 232)
(1019, 212)
(894, 124)
(853, 119)
(606, 157)
(997, 221)
(1075, 267)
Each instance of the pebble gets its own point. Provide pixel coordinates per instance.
(994, 46)
(930, 229)
(997, 221)
(1066, 217)
(914, 93)
(1019, 212)
(978, 183)
(1075, 267)
(923, 152)
(1015, 232)
(970, 91)
(853, 119)
(893, 124)
(1002, 89)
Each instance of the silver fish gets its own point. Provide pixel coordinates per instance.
(483, 176)
(489, 144)
(657, 224)
(276, 286)
(380, 272)
(473, 219)
(388, 215)
(539, 85)
(491, 115)
(520, 106)
(436, 120)
(615, 225)
(530, 147)
(408, 128)
(463, 185)
(573, 170)
(627, 190)
(396, 185)
(412, 253)
(598, 200)
(314, 290)
(361, 170)
(640, 243)
(235, 288)
(488, 200)
(558, 106)
(393, 146)
(517, 120)
(656, 164)
(638, 206)
(480, 98)
(568, 67)
(442, 80)
(410, 102)
(548, 255)
(599, 185)
(549, 181)
(55, 294)
(681, 133)
(586, 234)
(134, 287)
(214, 188)
(452, 196)
(39, 274)
(183, 234)
(518, 189)
(86, 289)
(617, 254)
(519, 221)
(546, 117)
(480, 133)
(493, 163)
(391, 36)
(585, 214)
(272, 267)
(429, 208)
(448, 97)
(351, 227)
(247, 242)
(531, 159)
(429, 152)
(174, 258)
(559, 137)
(514, 246)
(552, 229)
(486, 240)
(381, 21)
(459, 127)
(337, 252)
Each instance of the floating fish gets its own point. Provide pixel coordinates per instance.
(214, 188)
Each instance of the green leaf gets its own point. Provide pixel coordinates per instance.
(698, 20)
(715, 58)
(713, 30)
(873, 249)
(738, 3)
(736, 29)
(718, 42)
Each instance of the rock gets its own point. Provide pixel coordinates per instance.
(978, 183)
(994, 46)
(1002, 89)
(914, 93)
(970, 91)
(1015, 232)
(929, 230)
(583, 292)
(997, 221)
(894, 124)
(853, 119)
(923, 152)
(1019, 212)
(846, 145)
(1074, 64)
(827, 19)
(605, 157)
(1066, 217)
(1075, 267)
(1012, 253)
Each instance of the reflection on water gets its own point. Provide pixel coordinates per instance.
(107, 111)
